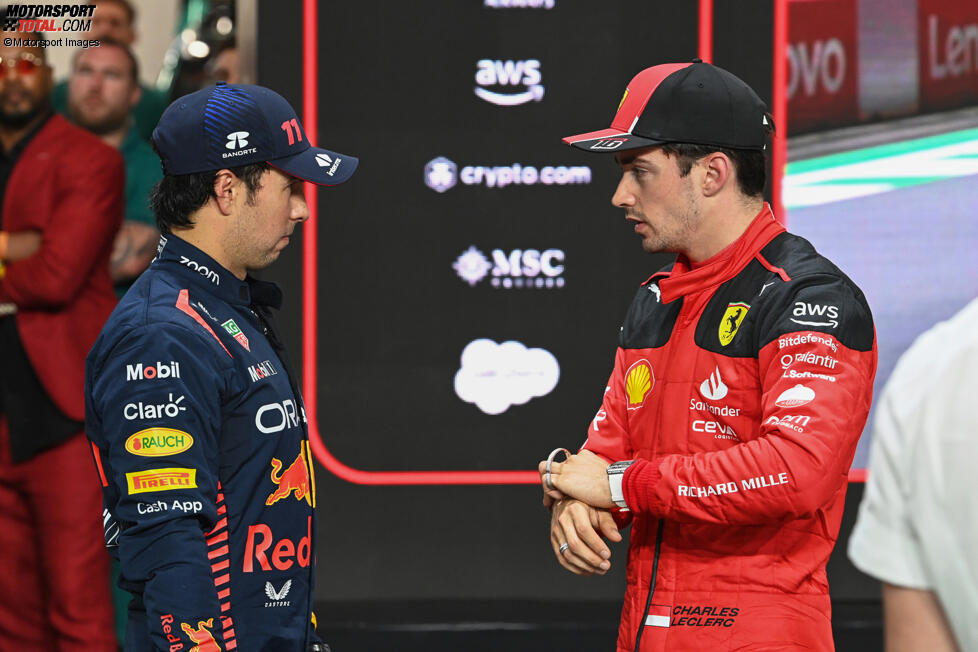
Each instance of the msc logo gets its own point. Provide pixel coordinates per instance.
(639, 381)
(733, 317)
(161, 480)
(237, 140)
(293, 480)
(492, 72)
(517, 268)
(158, 442)
(159, 370)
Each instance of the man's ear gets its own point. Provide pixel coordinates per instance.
(226, 184)
(719, 172)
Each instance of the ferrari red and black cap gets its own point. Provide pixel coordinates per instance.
(694, 102)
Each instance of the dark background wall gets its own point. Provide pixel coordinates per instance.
(396, 88)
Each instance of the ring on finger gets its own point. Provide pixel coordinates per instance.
(563, 547)
(550, 461)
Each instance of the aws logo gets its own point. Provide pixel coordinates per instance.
(525, 75)
(639, 381)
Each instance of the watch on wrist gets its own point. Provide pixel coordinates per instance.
(616, 474)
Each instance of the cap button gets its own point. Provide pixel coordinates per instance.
(221, 83)
(697, 60)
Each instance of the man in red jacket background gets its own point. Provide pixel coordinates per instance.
(62, 201)
(741, 384)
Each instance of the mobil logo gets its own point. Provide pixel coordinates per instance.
(263, 550)
(151, 371)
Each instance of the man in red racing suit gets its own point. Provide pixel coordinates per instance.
(741, 384)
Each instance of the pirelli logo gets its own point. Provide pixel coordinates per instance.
(161, 480)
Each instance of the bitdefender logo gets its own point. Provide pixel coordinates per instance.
(518, 81)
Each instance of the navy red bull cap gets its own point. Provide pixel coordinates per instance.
(228, 125)
(694, 102)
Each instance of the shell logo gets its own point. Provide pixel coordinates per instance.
(639, 381)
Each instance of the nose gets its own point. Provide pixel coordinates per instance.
(300, 210)
(623, 197)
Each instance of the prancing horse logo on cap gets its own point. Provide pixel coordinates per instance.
(237, 140)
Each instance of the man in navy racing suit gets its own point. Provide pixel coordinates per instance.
(195, 417)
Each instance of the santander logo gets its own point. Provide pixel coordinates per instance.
(713, 388)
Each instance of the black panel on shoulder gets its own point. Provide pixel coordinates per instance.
(729, 322)
(819, 297)
(649, 322)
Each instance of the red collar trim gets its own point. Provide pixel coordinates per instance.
(682, 280)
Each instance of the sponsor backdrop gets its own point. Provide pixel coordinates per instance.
(473, 275)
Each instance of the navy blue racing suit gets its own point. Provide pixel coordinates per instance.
(199, 435)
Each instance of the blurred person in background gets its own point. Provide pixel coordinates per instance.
(61, 193)
(115, 20)
(225, 65)
(741, 383)
(917, 529)
(102, 90)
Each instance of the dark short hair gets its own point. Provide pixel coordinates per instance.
(751, 164)
(125, 4)
(176, 197)
(112, 43)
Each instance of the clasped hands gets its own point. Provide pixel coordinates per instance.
(577, 493)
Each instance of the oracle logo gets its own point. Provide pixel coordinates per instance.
(820, 65)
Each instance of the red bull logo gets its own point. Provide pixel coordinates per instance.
(204, 639)
(293, 480)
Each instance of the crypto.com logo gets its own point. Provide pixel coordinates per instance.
(508, 73)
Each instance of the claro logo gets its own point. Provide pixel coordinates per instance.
(524, 76)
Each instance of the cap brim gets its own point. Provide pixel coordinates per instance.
(320, 166)
(609, 140)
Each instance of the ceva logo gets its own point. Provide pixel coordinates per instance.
(525, 75)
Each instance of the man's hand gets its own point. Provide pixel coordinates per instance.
(22, 244)
(581, 527)
(583, 476)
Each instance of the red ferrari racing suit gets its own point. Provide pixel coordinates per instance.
(740, 388)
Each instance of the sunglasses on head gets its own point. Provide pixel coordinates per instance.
(25, 63)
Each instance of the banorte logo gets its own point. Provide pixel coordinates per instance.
(639, 381)
(200, 635)
(293, 480)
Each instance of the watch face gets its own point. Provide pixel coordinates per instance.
(619, 467)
